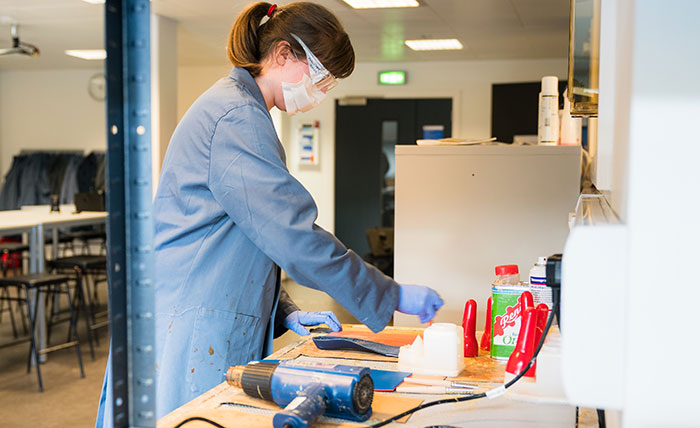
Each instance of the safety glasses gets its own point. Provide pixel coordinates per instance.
(321, 78)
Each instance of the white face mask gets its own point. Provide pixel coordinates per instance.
(301, 96)
(310, 91)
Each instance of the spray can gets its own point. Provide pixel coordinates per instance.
(548, 119)
(538, 283)
(570, 134)
(505, 311)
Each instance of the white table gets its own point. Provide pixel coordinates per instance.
(32, 221)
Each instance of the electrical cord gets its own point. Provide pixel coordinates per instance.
(492, 393)
(201, 419)
(601, 418)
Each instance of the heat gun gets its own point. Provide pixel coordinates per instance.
(307, 392)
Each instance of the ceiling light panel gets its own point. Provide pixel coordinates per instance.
(89, 54)
(434, 44)
(94, 1)
(376, 4)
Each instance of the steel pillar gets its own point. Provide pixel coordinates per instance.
(130, 226)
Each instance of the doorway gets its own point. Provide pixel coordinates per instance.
(365, 136)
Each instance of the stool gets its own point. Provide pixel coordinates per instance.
(82, 266)
(51, 284)
(7, 251)
(5, 296)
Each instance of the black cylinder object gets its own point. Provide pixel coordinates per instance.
(554, 270)
(363, 394)
(255, 379)
(554, 282)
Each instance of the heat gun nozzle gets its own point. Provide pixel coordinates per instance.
(233, 375)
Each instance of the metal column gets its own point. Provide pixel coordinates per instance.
(130, 227)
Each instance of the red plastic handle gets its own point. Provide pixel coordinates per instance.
(471, 346)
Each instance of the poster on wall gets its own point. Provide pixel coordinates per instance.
(308, 144)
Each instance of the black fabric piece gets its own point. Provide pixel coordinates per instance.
(86, 174)
(34, 181)
(100, 172)
(70, 179)
(56, 171)
(337, 342)
(285, 306)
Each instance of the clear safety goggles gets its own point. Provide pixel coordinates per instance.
(321, 78)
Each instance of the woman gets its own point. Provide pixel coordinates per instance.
(228, 214)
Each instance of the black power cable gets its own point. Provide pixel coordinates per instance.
(601, 418)
(201, 419)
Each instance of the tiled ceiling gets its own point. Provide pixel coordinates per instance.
(488, 29)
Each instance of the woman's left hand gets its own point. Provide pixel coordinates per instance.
(298, 319)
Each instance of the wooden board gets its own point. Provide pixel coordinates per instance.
(392, 338)
(482, 369)
(384, 406)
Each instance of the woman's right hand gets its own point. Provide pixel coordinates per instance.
(419, 300)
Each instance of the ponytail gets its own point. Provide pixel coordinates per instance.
(252, 38)
(242, 46)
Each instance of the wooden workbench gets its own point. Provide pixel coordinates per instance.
(230, 407)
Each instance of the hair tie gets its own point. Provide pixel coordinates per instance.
(271, 10)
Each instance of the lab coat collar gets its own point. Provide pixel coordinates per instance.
(243, 76)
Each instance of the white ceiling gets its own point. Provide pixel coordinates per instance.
(488, 29)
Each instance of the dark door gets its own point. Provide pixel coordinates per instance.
(365, 136)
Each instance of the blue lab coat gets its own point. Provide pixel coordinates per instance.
(227, 213)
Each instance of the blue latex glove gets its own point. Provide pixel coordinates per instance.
(419, 300)
(298, 319)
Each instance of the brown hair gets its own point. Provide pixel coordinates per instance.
(249, 42)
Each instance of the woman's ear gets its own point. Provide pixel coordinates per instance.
(282, 53)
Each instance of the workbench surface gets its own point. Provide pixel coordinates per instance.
(231, 408)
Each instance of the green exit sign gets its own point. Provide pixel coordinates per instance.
(392, 77)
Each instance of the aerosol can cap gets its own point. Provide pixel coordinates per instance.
(550, 85)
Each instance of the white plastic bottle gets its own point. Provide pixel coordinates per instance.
(538, 283)
(570, 126)
(548, 119)
(538, 273)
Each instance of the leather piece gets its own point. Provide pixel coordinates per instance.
(335, 343)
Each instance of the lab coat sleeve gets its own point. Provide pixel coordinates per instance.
(249, 179)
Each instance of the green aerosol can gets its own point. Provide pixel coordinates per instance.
(505, 311)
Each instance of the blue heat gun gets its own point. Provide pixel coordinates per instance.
(307, 391)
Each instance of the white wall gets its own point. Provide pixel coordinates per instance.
(48, 110)
(192, 81)
(163, 89)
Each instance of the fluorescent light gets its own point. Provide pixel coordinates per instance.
(434, 44)
(374, 4)
(91, 54)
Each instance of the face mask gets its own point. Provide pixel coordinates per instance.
(310, 91)
(301, 96)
